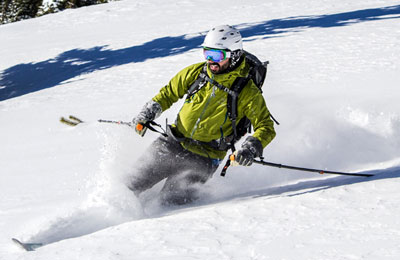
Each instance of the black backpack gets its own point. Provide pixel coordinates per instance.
(257, 73)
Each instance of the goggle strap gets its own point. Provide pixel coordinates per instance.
(210, 54)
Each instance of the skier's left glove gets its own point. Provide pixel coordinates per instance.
(150, 111)
(251, 148)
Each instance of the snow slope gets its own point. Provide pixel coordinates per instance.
(332, 84)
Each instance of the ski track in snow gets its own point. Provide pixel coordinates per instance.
(332, 83)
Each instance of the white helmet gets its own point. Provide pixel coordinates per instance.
(223, 37)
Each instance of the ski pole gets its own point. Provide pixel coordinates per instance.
(114, 122)
(149, 125)
(140, 126)
(310, 169)
(277, 165)
(73, 121)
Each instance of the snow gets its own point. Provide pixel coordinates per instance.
(332, 84)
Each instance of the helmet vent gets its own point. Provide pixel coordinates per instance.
(223, 37)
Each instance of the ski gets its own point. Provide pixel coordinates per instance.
(71, 121)
(27, 246)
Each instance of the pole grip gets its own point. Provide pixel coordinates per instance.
(227, 164)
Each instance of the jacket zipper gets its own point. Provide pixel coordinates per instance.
(202, 112)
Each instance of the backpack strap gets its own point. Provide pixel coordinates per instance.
(199, 82)
(233, 93)
(237, 87)
(202, 79)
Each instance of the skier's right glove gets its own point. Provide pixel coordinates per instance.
(150, 111)
(251, 148)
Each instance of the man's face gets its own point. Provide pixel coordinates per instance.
(218, 60)
(218, 67)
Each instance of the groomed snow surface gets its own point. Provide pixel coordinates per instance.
(333, 84)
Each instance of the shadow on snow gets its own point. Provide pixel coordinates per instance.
(84, 222)
(311, 186)
(87, 221)
(30, 77)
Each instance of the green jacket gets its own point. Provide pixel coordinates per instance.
(204, 117)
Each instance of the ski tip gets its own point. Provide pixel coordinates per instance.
(26, 246)
(67, 122)
(75, 119)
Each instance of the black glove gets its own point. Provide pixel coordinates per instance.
(150, 111)
(251, 148)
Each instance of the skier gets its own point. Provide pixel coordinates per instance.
(198, 141)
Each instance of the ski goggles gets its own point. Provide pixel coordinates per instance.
(216, 55)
